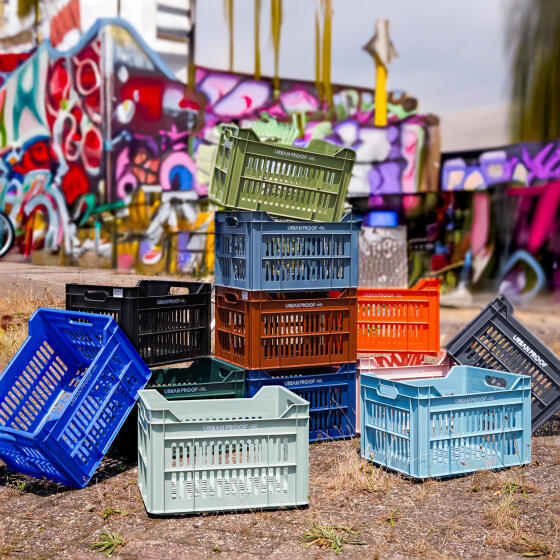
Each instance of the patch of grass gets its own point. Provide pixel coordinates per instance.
(20, 486)
(392, 517)
(107, 543)
(113, 511)
(329, 536)
(216, 548)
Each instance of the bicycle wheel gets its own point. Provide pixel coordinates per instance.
(7, 234)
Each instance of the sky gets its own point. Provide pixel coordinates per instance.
(452, 54)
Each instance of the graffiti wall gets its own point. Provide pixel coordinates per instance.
(82, 135)
(529, 163)
(400, 158)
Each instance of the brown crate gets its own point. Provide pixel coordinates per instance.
(271, 330)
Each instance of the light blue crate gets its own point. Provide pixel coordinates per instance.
(473, 419)
(223, 454)
(256, 252)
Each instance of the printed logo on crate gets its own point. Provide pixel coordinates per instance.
(470, 400)
(524, 346)
(229, 427)
(294, 155)
(305, 228)
(303, 304)
(180, 390)
(305, 381)
(174, 301)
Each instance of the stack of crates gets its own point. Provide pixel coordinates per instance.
(286, 286)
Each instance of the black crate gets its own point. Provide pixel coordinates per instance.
(165, 328)
(496, 340)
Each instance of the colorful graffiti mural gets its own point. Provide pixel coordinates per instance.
(85, 130)
(400, 158)
(525, 164)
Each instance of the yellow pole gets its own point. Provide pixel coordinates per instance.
(257, 39)
(380, 94)
(327, 35)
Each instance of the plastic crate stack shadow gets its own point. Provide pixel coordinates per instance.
(495, 339)
(65, 395)
(285, 295)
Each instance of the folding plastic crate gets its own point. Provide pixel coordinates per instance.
(232, 454)
(331, 393)
(65, 395)
(472, 419)
(164, 327)
(496, 340)
(395, 320)
(205, 378)
(302, 183)
(273, 330)
(255, 252)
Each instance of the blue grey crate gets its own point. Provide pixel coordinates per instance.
(256, 252)
(472, 419)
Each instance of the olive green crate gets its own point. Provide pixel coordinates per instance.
(287, 181)
(205, 378)
(223, 454)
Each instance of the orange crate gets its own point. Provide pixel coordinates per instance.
(395, 320)
(272, 330)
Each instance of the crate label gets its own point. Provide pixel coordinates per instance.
(173, 301)
(245, 295)
(118, 292)
(304, 304)
(176, 390)
(306, 228)
(299, 382)
(296, 155)
(522, 344)
(470, 400)
(229, 427)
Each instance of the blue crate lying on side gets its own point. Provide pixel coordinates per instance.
(256, 252)
(331, 394)
(65, 395)
(472, 419)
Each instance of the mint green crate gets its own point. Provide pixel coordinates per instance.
(223, 454)
(299, 183)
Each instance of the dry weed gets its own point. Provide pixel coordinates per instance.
(15, 310)
(351, 473)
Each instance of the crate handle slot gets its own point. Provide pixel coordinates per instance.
(232, 221)
(388, 391)
(495, 381)
(79, 322)
(163, 287)
(95, 295)
(231, 297)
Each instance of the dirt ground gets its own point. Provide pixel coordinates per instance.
(509, 514)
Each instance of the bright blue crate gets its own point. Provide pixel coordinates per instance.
(256, 252)
(66, 393)
(472, 419)
(331, 394)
